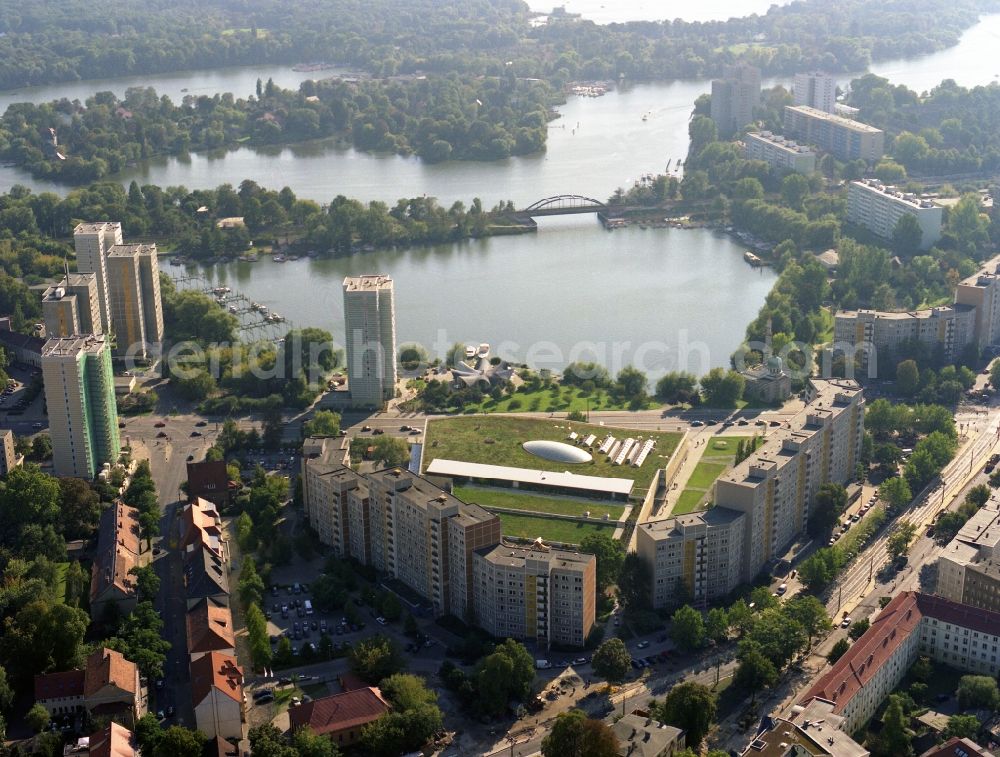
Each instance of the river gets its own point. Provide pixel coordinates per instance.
(570, 281)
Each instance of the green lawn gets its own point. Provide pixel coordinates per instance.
(560, 399)
(687, 502)
(497, 440)
(723, 447)
(704, 475)
(531, 527)
(514, 500)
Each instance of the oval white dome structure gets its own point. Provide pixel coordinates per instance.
(557, 452)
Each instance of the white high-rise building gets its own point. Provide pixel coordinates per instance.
(816, 90)
(370, 339)
(92, 242)
(80, 397)
(134, 296)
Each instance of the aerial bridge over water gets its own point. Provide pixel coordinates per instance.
(568, 205)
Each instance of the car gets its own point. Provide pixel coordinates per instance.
(760, 422)
(156, 551)
(160, 715)
(201, 424)
(711, 422)
(782, 589)
(322, 626)
(697, 424)
(742, 422)
(285, 681)
(846, 622)
(159, 683)
(264, 699)
(775, 424)
(727, 424)
(378, 432)
(366, 428)
(380, 620)
(121, 424)
(404, 428)
(415, 432)
(190, 458)
(195, 433)
(855, 518)
(170, 711)
(832, 541)
(36, 425)
(642, 645)
(159, 424)
(580, 661)
(162, 435)
(315, 625)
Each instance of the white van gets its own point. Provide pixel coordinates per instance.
(308, 607)
(543, 664)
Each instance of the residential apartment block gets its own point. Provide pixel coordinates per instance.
(911, 625)
(370, 339)
(539, 593)
(133, 282)
(72, 306)
(780, 154)
(945, 331)
(80, 396)
(734, 97)
(969, 567)
(815, 90)
(843, 138)
(878, 208)
(447, 551)
(92, 242)
(699, 555)
(981, 291)
(9, 459)
(761, 504)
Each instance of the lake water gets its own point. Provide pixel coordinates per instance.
(656, 298)
(639, 292)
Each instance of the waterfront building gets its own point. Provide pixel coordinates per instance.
(780, 154)
(761, 505)
(535, 593)
(72, 306)
(878, 208)
(945, 331)
(133, 277)
(816, 90)
(969, 567)
(80, 396)
(843, 138)
(92, 242)
(370, 339)
(734, 98)
(912, 624)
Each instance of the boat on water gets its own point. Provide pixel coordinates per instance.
(484, 351)
(470, 352)
(249, 258)
(752, 259)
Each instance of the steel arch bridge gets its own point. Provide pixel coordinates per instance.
(564, 205)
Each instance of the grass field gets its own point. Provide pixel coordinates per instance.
(704, 475)
(558, 399)
(531, 527)
(514, 500)
(687, 502)
(497, 440)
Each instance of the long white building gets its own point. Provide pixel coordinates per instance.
(878, 208)
(779, 153)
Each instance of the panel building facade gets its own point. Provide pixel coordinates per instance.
(72, 306)
(815, 90)
(370, 339)
(878, 208)
(839, 136)
(969, 567)
(780, 154)
(80, 396)
(92, 242)
(134, 298)
(734, 97)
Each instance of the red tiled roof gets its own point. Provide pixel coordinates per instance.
(208, 477)
(59, 685)
(956, 747)
(106, 666)
(209, 627)
(868, 654)
(114, 740)
(219, 671)
(339, 712)
(351, 682)
(973, 618)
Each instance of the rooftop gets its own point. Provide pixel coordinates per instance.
(898, 195)
(811, 731)
(565, 480)
(71, 346)
(216, 671)
(839, 120)
(114, 740)
(209, 627)
(423, 493)
(95, 227)
(367, 282)
(640, 736)
(715, 516)
(339, 712)
(131, 250)
(956, 747)
(779, 141)
(516, 555)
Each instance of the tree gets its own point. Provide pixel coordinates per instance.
(635, 583)
(267, 741)
(717, 625)
(810, 613)
(504, 675)
(691, 707)
(829, 504)
(755, 671)
(676, 386)
(962, 727)
(6, 692)
(907, 375)
(688, 629)
(722, 388)
(859, 628)
(81, 508)
(390, 451)
(575, 735)
(177, 741)
(251, 585)
(323, 423)
(147, 583)
(898, 543)
(612, 660)
(978, 692)
(894, 739)
(632, 383)
(895, 492)
(41, 447)
(37, 718)
(907, 236)
(794, 190)
(838, 650)
(307, 743)
(148, 732)
(375, 658)
(610, 557)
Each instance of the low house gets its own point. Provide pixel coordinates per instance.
(210, 629)
(956, 747)
(107, 685)
(341, 717)
(119, 549)
(21, 348)
(217, 695)
(643, 736)
(205, 577)
(114, 740)
(200, 524)
(208, 480)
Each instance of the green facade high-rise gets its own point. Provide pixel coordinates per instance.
(80, 395)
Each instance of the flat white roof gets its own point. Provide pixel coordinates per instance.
(565, 480)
